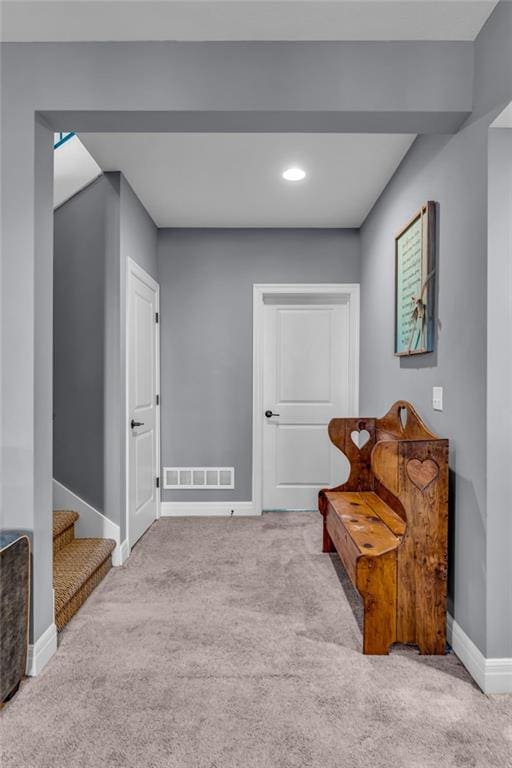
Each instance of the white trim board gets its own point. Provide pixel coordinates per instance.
(91, 523)
(124, 552)
(40, 652)
(349, 291)
(491, 675)
(207, 509)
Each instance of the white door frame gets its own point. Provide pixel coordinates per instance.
(134, 269)
(350, 291)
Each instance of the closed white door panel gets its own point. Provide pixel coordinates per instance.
(302, 455)
(142, 391)
(306, 382)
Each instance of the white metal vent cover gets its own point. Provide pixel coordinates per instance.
(198, 478)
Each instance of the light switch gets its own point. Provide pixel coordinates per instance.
(437, 398)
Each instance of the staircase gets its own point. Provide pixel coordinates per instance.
(78, 565)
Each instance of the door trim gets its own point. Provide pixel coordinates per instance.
(134, 269)
(350, 291)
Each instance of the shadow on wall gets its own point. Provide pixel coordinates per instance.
(466, 533)
(430, 360)
(452, 490)
(462, 493)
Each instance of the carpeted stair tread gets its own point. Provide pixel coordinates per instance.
(62, 520)
(75, 564)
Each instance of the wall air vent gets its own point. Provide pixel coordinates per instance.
(198, 478)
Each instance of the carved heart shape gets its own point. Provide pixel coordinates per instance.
(422, 473)
(360, 437)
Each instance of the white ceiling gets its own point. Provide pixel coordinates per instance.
(73, 169)
(234, 180)
(504, 119)
(70, 20)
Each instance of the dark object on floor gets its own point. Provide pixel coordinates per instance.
(14, 610)
(389, 525)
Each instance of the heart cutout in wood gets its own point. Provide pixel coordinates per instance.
(422, 473)
(360, 437)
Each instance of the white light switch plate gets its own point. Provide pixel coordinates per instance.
(437, 398)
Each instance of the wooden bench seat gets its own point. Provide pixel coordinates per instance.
(368, 519)
(388, 523)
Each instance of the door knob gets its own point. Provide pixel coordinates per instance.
(137, 424)
(269, 414)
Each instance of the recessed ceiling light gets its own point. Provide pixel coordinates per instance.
(294, 174)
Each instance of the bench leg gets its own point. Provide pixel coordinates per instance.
(327, 545)
(376, 582)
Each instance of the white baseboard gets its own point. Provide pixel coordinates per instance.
(207, 509)
(121, 554)
(92, 523)
(40, 652)
(491, 675)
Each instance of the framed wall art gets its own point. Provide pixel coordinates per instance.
(415, 266)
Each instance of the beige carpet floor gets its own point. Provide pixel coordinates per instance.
(233, 643)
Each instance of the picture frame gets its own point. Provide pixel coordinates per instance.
(415, 279)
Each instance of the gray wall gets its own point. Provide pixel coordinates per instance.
(138, 231)
(432, 171)
(492, 79)
(33, 471)
(499, 394)
(26, 332)
(96, 231)
(80, 245)
(206, 279)
(453, 171)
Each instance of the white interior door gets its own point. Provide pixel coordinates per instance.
(143, 411)
(307, 381)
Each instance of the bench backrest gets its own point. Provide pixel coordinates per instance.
(407, 466)
(377, 449)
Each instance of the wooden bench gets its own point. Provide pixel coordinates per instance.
(389, 525)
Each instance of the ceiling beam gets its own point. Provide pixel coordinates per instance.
(419, 87)
(251, 121)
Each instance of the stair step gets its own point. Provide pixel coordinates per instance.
(63, 528)
(77, 569)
